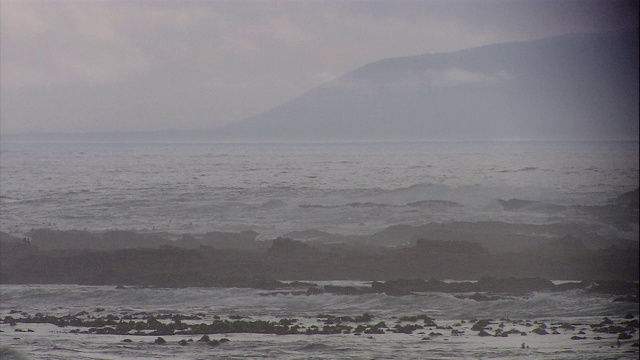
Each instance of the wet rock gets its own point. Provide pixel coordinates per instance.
(183, 342)
(566, 326)
(345, 290)
(127, 341)
(314, 291)
(205, 338)
(624, 336)
(540, 331)
(23, 331)
(513, 331)
(481, 324)
(575, 337)
(407, 329)
(514, 285)
(427, 320)
(160, 341)
(628, 298)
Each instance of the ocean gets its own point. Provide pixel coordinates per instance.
(340, 188)
(578, 308)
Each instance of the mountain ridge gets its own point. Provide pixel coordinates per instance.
(496, 83)
(577, 87)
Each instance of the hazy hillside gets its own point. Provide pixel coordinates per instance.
(572, 87)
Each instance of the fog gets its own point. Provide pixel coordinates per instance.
(319, 179)
(140, 66)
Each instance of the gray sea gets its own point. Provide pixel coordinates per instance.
(341, 188)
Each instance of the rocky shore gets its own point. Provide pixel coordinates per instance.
(24, 262)
(182, 329)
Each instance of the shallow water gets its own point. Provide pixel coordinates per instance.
(51, 342)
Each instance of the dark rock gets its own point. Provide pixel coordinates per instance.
(314, 291)
(616, 287)
(513, 331)
(214, 343)
(427, 320)
(245, 240)
(567, 326)
(514, 285)
(578, 337)
(407, 329)
(540, 331)
(481, 324)
(183, 342)
(629, 199)
(160, 341)
(127, 341)
(205, 338)
(624, 336)
(290, 247)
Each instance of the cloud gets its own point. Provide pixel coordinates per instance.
(65, 43)
(262, 52)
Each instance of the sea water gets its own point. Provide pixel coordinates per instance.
(576, 307)
(342, 188)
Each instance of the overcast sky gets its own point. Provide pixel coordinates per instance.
(156, 65)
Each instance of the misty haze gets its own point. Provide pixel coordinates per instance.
(319, 179)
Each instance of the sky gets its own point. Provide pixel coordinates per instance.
(93, 66)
